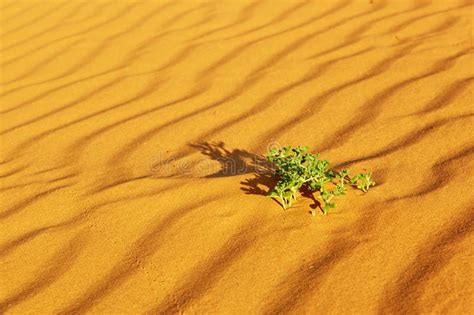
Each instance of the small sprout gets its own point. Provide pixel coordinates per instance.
(296, 168)
(363, 181)
(343, 174)
(327, 196)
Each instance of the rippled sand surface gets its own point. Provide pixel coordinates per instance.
(131, 139)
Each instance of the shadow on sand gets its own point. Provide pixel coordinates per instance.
(238, 162)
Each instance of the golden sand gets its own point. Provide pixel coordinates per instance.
(131, 133)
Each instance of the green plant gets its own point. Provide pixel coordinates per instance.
(297, 169)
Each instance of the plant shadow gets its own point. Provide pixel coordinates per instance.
(238, 162)
(305, 192)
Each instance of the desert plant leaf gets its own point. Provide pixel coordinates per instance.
(297, 168)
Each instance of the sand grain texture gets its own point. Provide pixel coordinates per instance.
(131, 138)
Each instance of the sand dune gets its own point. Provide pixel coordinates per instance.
(132, 135)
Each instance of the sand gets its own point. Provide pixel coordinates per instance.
(132, 136)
